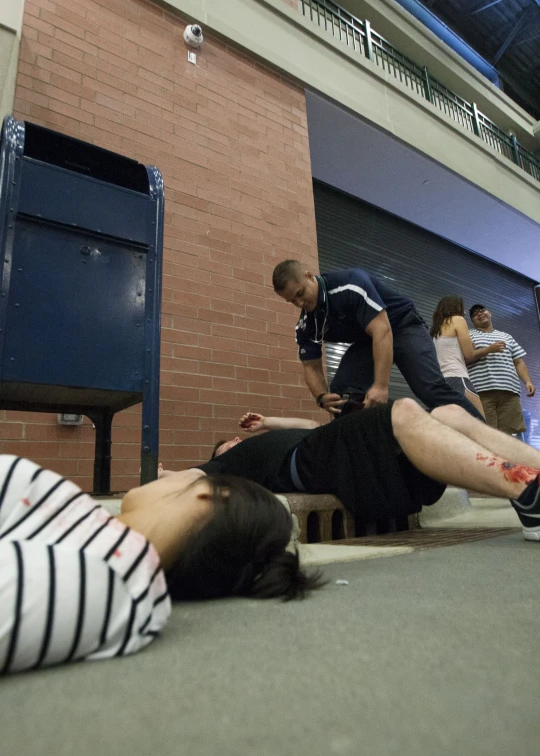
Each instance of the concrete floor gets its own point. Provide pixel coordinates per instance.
(427, 653)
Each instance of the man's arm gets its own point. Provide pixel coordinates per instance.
(470, 353)
(481, 352)
(521, 370)
(252, 422)
(316, 383)
(383, 356)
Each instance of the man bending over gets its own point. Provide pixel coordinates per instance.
(382, 326)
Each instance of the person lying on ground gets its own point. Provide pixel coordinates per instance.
(253, 422)
(390, 460)
(79, 584)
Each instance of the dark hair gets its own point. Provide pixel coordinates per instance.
(241, 551)
(474, 309)
(446, 309)
(284, 272)
(216, 447)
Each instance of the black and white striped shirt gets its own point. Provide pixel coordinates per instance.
(75, 582)
(496, 370)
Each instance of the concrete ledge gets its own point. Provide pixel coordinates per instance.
(315, 554)
(454, 502)
(323, 518)
(320, 517)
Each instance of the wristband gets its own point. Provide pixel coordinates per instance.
(318, 400)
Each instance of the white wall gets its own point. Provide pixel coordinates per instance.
(11, 14)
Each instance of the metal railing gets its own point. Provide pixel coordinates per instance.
(360, 37)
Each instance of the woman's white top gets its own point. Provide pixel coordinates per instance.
(75, 582)
(450, 356)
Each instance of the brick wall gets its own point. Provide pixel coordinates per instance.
(230, 138)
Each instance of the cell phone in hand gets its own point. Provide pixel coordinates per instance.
(351, 406)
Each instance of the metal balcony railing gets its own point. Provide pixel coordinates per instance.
(360, 37)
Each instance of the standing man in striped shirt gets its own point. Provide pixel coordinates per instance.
(496, 376)
(382, 327)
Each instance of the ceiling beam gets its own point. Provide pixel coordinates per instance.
(528, 39)
(479, 10)
(520, 22)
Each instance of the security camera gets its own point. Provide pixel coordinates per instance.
(193, 35)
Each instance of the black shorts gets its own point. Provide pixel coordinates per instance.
(357, 459)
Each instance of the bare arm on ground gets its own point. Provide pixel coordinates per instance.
(252, 422)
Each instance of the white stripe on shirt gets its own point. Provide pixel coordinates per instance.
(75, 583)
(358, 290)
(496, 370)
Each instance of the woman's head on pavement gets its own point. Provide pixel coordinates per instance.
(242, 550)
(293, 283)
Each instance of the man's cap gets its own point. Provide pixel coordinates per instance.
(475, 308)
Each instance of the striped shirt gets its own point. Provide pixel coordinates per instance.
(496, 370)
(75, 582)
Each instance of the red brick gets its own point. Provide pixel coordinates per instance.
(220, 356)
(230, 137)
(11, 431)
(222, 370)
(52, 432)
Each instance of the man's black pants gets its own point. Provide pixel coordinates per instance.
(416, 358)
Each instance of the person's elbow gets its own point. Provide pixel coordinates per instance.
(380, 329)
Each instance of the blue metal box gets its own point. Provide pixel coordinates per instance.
(81, 243)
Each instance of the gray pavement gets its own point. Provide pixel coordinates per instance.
(430, 652)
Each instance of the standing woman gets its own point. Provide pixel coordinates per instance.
(454, 347)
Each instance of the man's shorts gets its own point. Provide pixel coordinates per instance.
(503, 410)
(461, 384)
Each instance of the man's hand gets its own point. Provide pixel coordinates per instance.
(332, 403)
(252, 422)
(498, 346)
(530, 388)
(376, 395)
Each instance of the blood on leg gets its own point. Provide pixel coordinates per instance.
(511, 471)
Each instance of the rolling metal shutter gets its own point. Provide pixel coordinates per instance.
(425, 267)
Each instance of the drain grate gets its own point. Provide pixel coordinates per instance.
(427, 539)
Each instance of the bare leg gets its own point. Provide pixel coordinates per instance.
(451, 457)
(475, 400)
(495, 441)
